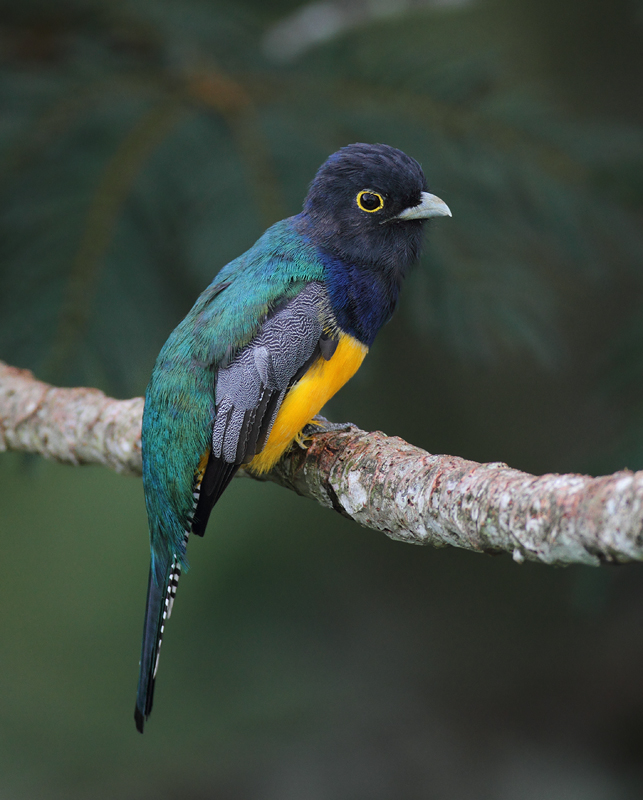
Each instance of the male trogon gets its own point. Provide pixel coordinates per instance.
(274, 336)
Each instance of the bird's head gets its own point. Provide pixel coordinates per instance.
(367, 205)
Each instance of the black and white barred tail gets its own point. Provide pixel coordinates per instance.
(211, 479)
(160, 599)
(158, 609)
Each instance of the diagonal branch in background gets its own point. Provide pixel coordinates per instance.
(379, 481)
(115, 185)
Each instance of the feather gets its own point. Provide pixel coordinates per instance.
(160, 599)
(275, 335)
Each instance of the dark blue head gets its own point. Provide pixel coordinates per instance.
(356, 205)
(364, 210)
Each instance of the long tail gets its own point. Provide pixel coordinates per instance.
(211, 479)
(160, 599)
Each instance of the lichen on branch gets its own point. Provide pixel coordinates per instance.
(381, 482)
(74, 426)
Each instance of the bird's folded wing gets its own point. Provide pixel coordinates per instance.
(250, 389)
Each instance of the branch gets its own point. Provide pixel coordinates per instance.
(379, 481)
(74, 426)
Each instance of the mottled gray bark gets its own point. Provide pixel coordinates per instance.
(379, 481)
(75, 426)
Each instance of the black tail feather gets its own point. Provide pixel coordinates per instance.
(216, 478)
(160, 599)
(161, 591)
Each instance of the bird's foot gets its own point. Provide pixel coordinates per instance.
(319, 424)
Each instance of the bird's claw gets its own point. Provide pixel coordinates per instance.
(319, 424)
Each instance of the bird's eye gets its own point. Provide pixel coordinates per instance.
(370, 201)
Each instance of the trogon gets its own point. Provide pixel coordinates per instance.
(273, 337)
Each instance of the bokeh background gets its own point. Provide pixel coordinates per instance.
(143, 144)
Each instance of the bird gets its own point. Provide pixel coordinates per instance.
(275, 335)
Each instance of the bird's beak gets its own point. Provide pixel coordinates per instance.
(430, 206)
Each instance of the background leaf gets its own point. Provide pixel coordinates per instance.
(144, 144)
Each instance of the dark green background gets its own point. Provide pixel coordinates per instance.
(143, 145)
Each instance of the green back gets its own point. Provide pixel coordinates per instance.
(180, 403)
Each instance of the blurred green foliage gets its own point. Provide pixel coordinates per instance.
(145, 143)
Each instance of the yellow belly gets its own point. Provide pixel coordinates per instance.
(307, 397)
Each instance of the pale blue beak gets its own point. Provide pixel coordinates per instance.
(430, 206)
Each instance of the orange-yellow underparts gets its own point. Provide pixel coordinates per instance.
(200, 470)
(307, 397)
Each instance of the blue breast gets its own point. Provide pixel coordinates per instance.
(362, 299)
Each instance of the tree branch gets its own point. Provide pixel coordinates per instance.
(380, 482)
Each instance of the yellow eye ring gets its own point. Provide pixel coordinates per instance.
(370, 201)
